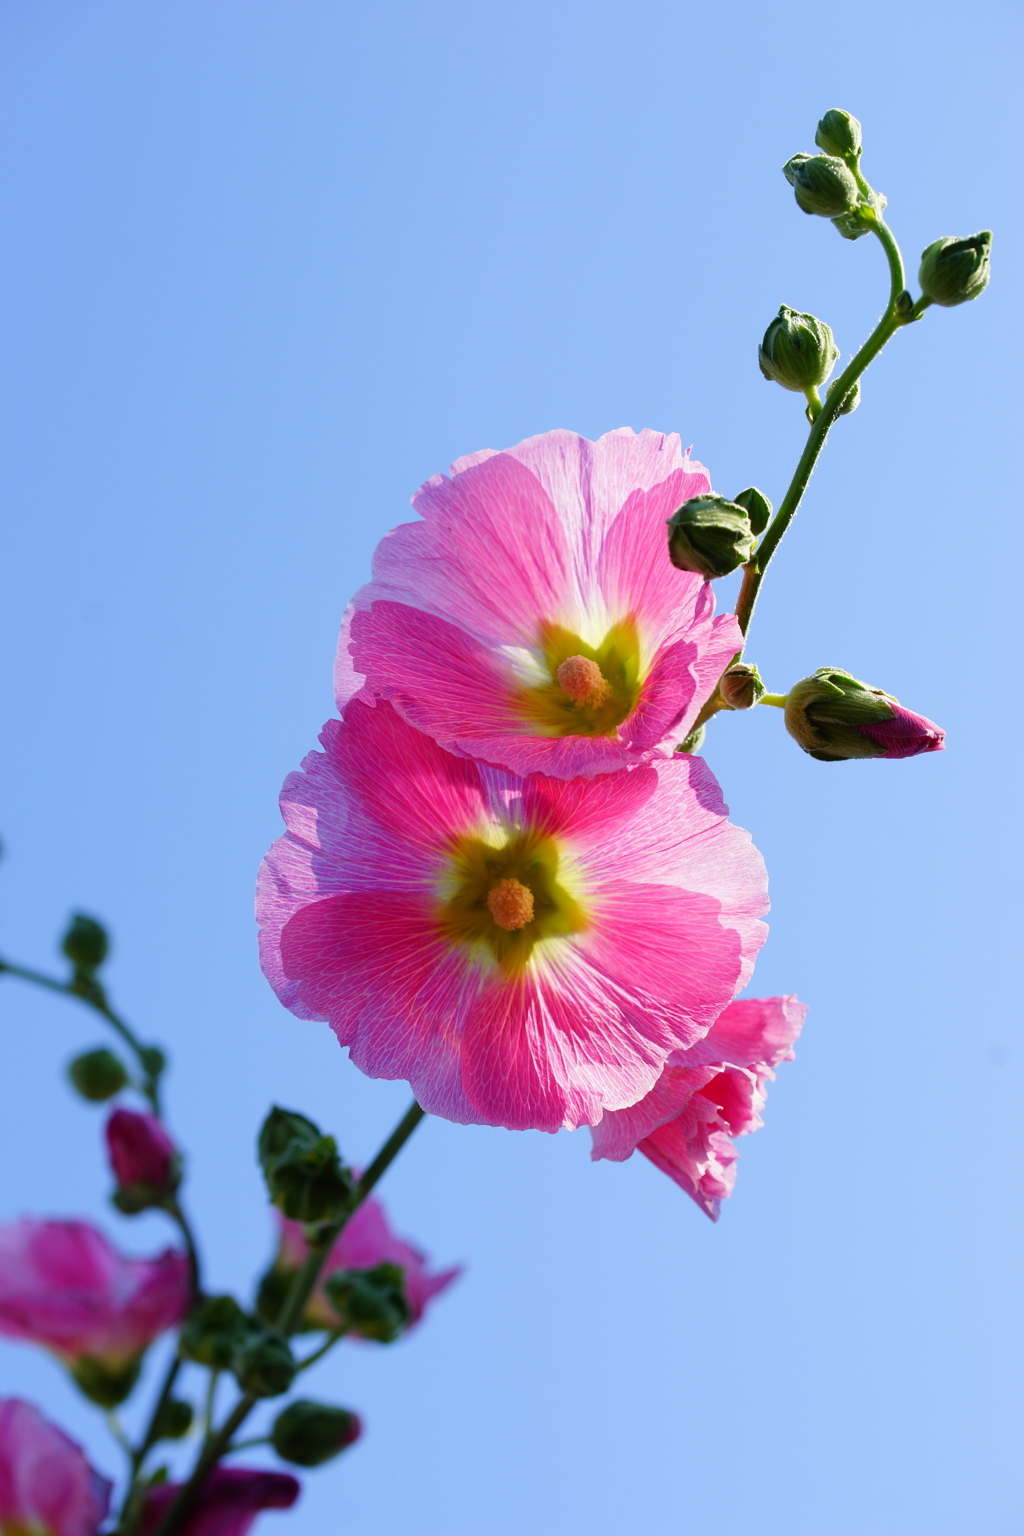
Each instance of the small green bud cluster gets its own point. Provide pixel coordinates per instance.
(370, 1302)
(955, 271)
(710, 535)
(301, 1166)
(264, 1364)
(307, 1434)
(830, 184)
(98, 1075)
(219, 1335)
(798, 351)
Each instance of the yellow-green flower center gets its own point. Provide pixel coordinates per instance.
(592, 689)
(504, 900)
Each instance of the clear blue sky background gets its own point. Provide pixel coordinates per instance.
(268, 266)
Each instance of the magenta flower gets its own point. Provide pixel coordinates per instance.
(533, 619)
(525, 952)
(366, 1241)
(231, 1499)
(63, 1286)
(706, 1095)
(47, 1487)
(142, 1154)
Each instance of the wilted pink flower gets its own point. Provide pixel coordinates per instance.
(47, 1488)
(366, 1241)
(533, 619)
(231, 1499)
(141, 1152)
(707, 1094)
(62, 1285)
(525, 952)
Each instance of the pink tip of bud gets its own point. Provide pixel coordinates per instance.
(906, 734)
(583, 681)
(141, 1152)
(510, 903)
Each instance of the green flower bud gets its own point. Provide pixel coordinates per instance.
(214, 1331)
(953, 271)
(307, 1434)
(370, 1302)
(823, 713)
(264, 1364)
(798, 351)
(173, 1420)
(741, 686)
(839, 134)
(98, 1075)
(822, 184)
(757, 507)
(104, 1384)
(709, 535)
(303, 1173)
(153, 1060)
(86, 944)
(851, 399)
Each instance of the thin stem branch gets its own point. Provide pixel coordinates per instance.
(778, 700)
(318, 1354)
(177, 1215)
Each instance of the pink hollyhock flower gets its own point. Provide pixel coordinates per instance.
(62, 1285)
(366, 1241)
(47, 1487)
(706, 1095)
(525, 952)
(533, 619)
(142, 1155)
(231, 1499)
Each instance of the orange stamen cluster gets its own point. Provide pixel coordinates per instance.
(510, 903)
(583, 681)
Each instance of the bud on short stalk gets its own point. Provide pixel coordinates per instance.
(822, 184)
(709, 535)
(173, 1420)
(144, 1159)
(213, 1332)
(303, 1173)
(264, 1364)
(955, 271)
(98, 1075)
(798, 351)
(757, 507)
(851, 399)
(839, 134)
(740, 686)
(370, 1302)
(86, 944)
(307, 1434)
(835, 717)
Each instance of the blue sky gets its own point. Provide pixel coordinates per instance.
(265, 269)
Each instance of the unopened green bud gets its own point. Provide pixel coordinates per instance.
(173, 1420)
(822, 184)
(104, 1384)
(709, 535)
(304, 1175)
(757, 507)
(98, 1075)
(798, 351)
(86, 944)
(741, 686)
(851, 399)
(824, 711)
(953, 271)
(307, 1434)
(264, 1365)
(153, 1060)
(370, 1302)
(214, 1331)
(839, 134)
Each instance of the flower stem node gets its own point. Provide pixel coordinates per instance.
(954, 271)
(86, 944)
(303, 1172)
(822, 184)
(307, 1434)
(264, 1364)
(757, 507)
(741, 686)
(834, 717)
(371, 1302)
(839, 134)
(710, 535)
(98, 1075)
(798, 351)
(214, 1331)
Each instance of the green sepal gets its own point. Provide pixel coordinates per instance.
(104, 1384)
(370, 1302)
(757, 507)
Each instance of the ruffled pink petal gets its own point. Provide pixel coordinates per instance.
(700, 1160)
(756, 1032)
(619, 1132)
(46, 1483)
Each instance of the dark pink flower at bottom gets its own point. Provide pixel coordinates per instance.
(228, 1504)
(47, 1487)
(704, 1097)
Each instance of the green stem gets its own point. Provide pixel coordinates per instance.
(174, 1210)
(318, 1354)
(210, 1404)
(92, 994)
(890, 323)
(290, 1316)
(247, 1445)
(776, 699)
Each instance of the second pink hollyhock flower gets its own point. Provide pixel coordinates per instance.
(231, 1499)
(47, 1487)
(366, 1241)
(533, 619)
(705, 1096)
(525, 952)
(62, 1285)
